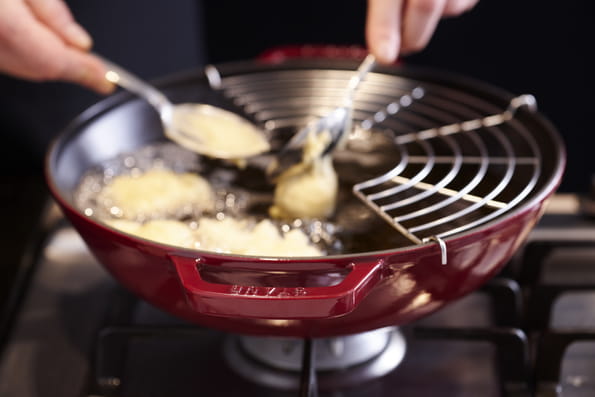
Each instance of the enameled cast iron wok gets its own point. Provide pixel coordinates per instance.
(464, 195)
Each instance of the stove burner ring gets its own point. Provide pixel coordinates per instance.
(340, 362)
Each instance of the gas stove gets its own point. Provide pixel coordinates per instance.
(530, 331)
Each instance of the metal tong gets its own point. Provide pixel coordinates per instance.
(337, 123)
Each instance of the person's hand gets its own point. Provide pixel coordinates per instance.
(40, 41)
(396, 27)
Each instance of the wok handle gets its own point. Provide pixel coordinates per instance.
(245, 301)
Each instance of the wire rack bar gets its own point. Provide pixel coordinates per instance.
(460, 161)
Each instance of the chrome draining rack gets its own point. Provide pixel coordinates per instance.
(461, 159)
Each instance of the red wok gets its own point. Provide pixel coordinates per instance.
(465, 195)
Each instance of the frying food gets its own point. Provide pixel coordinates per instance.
(239, 237)
(154, 202)
(224, 236)
(165, 231)
(308, 190)
(157, 193)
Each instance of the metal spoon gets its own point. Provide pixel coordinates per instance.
(337, 123)
(202, 128)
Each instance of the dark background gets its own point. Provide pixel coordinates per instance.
(524, 46)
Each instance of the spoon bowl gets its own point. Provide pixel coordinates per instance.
(202, 128)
